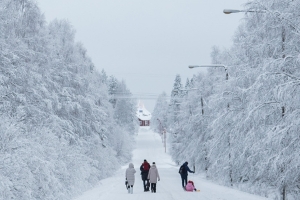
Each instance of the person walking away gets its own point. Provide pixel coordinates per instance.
(183, 171)
(190, 187)
(144, 172)
(153, 176)
(129, 175)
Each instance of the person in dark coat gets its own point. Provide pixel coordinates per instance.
(183, 171)
(144, 172)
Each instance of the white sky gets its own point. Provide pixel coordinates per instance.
(147, 42)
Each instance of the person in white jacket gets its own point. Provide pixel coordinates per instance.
(153, 176)
(129, 175)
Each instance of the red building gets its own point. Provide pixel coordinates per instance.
(143, 115)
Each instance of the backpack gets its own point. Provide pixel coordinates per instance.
(146, 166)
(181, 169)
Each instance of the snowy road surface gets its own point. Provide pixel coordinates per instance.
(149, 146)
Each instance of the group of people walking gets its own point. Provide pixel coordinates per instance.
(150, 176)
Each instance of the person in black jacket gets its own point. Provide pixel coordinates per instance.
(144, 172)
(183, 171)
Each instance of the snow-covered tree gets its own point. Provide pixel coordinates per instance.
(176, 96)
(245, 130)
(58, 134)
(159, 115)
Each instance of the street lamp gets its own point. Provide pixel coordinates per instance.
(225, 67)
(215, 65)
(229, 11)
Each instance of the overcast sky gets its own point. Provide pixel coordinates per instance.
(147, 42)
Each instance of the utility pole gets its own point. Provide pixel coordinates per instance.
(165, 139)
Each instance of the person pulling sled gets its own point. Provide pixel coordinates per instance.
(183, 171)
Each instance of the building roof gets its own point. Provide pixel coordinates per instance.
(142, 113)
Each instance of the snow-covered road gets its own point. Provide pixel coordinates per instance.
(149, 146)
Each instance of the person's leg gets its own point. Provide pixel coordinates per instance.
(148, 185)
(144, 182)
(154, 187)
(185, 180)
(131, 189)
(182, 181)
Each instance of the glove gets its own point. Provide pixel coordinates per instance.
(159, 179)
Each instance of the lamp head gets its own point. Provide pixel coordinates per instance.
(229, 11)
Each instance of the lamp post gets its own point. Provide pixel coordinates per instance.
(230, 11)
(214, 65)
(165, 139)
(225, 68)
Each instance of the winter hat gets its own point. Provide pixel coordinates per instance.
(153, 163)
(145, 160)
